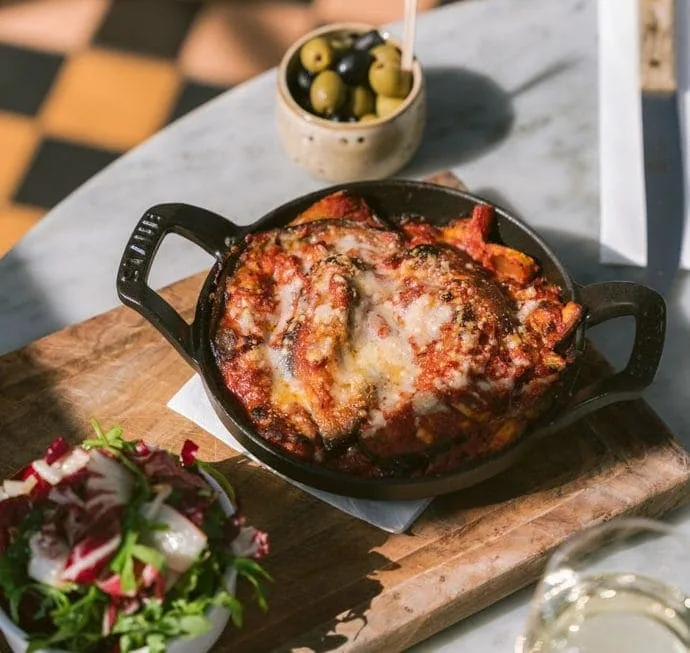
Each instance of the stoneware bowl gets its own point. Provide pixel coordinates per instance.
(218, 616)
(348, 151)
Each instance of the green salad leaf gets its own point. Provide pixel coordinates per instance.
(77, 619)
(72, 617)
(113, 442)
(218, 478)
(256, 575)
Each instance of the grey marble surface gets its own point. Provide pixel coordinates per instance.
(512, 88)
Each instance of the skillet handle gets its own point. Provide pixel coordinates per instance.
(208, 230)
(606, 301)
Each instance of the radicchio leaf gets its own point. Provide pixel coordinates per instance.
(161, 467)
(89, 558)
(250, 543)
(56, 449)
(188, 453)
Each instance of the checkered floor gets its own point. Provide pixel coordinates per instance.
(82, 81)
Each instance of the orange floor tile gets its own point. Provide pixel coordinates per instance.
(109, 99)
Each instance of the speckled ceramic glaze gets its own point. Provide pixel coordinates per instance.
(343, 152)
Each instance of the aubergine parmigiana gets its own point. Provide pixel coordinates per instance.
(386, 348)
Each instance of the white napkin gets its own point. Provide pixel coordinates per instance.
(392, 516)
(623, 214)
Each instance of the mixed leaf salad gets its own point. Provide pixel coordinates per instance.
(117, 545)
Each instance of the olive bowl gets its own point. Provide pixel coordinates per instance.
(348, 151)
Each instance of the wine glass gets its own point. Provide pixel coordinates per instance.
(622, 587)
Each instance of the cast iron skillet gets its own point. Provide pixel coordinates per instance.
(602, 301)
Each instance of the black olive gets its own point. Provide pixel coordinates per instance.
(353, 66)
(294, 89)
(368, 40)
(303, 79)
(344, 115)
(340, 117)
(303, 100)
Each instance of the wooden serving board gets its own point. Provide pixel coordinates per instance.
(341, 584)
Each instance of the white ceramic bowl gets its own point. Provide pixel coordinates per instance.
(218, 616)
(348, 151)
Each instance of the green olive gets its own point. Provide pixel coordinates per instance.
(386, 78)
(405, 83)
(386, 52)
(340, 43)
(360, 102)
(387, 105)
(327, 93)
(316, 55)
(368, 117)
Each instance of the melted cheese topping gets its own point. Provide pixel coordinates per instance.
(402, 347)
(380, 357)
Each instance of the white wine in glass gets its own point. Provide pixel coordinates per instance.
(616, 588)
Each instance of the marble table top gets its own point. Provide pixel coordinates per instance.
(512, 88)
